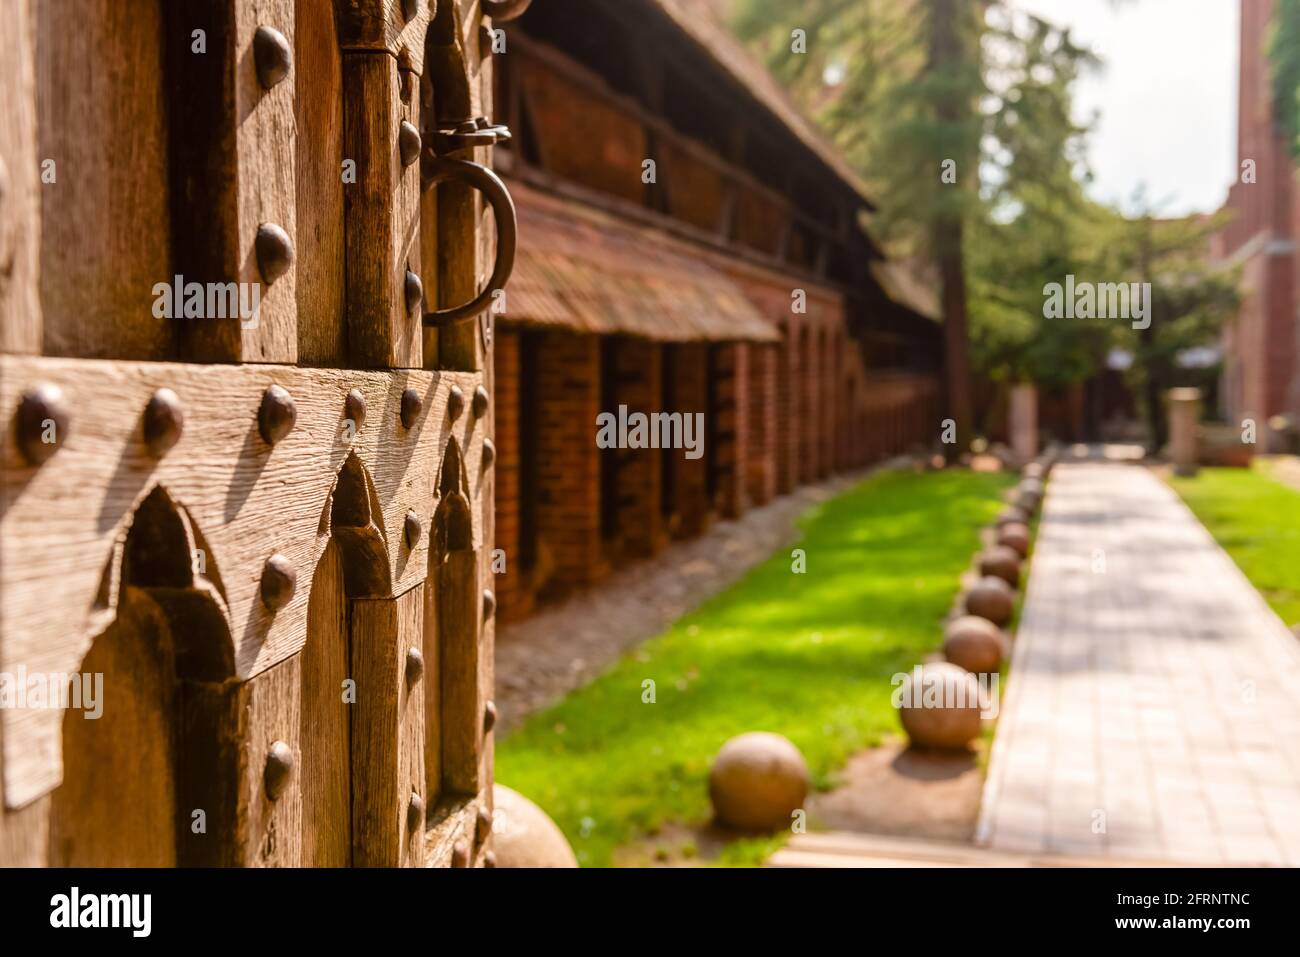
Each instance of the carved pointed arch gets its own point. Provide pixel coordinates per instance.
(453, 521)
(355, 521)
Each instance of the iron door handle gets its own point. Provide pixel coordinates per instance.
(443, 168)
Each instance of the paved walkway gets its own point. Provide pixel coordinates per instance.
(1153, 707)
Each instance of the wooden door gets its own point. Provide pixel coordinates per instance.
(247, 461)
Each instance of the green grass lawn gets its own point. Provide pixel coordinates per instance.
(1257, 521)
(806, 655)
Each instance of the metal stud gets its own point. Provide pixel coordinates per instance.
(489, 453)
(271, 56)
(408, 143)
(411, 406)
(489, 603)
(277, 414)
(411, 529)
(460, 854)
(279, 582)
(455, 402)
(354, 409)
(483, 823)
(414, 811)
(489, 716)
(274, 251)
(164, 420)
(414, 291)
(279, 769)
(480, 402)
(414, 665)
(42, 422)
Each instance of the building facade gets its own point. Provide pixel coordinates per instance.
(688, 245)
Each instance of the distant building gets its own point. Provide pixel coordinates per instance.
(1261, 377)
(688, 244)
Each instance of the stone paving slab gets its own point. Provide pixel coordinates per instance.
(1153, 705)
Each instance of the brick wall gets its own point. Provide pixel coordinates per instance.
(514, 599)
(638, 384)
(570, 551)
(686, 390)
(729, 380)
(760, 473)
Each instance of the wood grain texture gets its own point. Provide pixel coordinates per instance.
(116, 806)
(326, 719)
(380, 25)
(381, 214)
(20, 200)
(105, 235)
(234, 153)
(453, 821)
(64, 521)
(25, 835)
(460, 610)
(322, 329)
(270, 830)
(387, 732)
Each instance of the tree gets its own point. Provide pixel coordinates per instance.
(959, 114)
(1284, 55)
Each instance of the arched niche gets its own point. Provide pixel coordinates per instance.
(452, 622)
(354, 564)
(142, 752)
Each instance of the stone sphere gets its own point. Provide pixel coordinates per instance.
(939, 706)
(1003, 562)
(1032, 470)
(757, 781)
(991, 598)
(975, 644)
(1031, 485)
(522, 834)
(1012, 514)
(1015, 536)
(1029, 501)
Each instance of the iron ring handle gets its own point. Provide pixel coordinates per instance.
(440, 168)
(502, 11)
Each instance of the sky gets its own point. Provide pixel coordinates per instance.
(1166, 93)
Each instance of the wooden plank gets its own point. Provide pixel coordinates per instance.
(388, 782)
(234, 152)
(25, 835)
(20, 200)
(383, 25)
(382, 215)
(322, 328)
(460, 609)
(327, 701)
(270, 827)
(245, 499)
(105, 234)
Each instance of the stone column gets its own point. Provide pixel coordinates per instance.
(1023, 416)
(1184, 414)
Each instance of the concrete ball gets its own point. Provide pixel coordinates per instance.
(939, 706)
(1031, 485)
(975, 644)
(1002, 562)
(991, 598)
(1015, 536)
(757, 781)
(1029, 501)
(1032, 470)
(522, 834)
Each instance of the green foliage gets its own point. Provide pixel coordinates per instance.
(808, 655)
(1284, 52)
(1257, 521)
